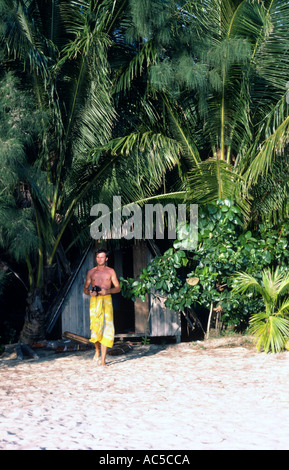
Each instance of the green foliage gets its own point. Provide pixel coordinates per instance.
(145, 340)
(19, 127)
(113, 94)
(152, 18)
(4, 279)
(78, 126)
(62, 140)
(222, 72)
(224, 247)
(161, 276)
(270, 326)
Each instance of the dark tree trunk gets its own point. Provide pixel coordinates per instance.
(34, 324)
(34, 328)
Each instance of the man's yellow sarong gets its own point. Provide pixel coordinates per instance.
(101, 320)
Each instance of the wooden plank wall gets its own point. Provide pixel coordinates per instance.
(75, 309)
(141, 309)
(163, 321)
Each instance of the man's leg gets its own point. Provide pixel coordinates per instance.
(103, 354)
(97, 352)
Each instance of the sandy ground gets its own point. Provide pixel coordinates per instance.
(211, 395)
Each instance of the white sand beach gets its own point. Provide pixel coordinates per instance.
(205, 396)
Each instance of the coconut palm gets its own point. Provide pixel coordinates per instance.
(230, 109)
(67, 54)
(271, 326)
(126, 90)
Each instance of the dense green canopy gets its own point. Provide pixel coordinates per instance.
(186, 99)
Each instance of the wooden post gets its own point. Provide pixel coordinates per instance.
(209, 321)
(141, 309)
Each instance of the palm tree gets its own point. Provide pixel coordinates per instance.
(271, 326)
(68, 52)
(228, 101)
(127, 90)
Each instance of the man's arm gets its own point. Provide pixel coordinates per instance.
(87, 284)
(116, 287)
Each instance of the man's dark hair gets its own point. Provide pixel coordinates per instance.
(102, 250)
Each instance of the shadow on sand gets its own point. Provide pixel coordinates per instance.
(9, 357)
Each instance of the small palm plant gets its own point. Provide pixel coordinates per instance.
(271, 326)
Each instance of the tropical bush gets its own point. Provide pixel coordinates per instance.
(70, 135)
(120, 92)
(225, 246)
(270, 326)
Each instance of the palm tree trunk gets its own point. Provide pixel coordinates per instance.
(34, 323)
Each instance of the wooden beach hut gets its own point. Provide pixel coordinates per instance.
(132, 319)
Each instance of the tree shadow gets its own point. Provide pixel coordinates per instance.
(138, 352)
(9, 358)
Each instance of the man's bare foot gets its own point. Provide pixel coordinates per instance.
(96, 359)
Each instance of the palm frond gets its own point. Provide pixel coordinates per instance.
(152, 18)
(283, 307)
(272, 280)
(274, 128)
(283, 286)
(93, 125)
(270, 148)
(214, 179)
(22, 39)
(270, 327)
(270, 332)
(274, 45)
(155, 144)
(146, 56)
(18, 234)
(270, 193)
(135, 163)
(245, 282)
(183, 135)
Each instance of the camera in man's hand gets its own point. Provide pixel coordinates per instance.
(96, 289)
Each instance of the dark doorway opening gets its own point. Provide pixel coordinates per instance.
(124, 321)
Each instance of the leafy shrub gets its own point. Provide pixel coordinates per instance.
(225, 246)
(270, 325)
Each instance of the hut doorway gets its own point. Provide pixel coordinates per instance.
(124, 318)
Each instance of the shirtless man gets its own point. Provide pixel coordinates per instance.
(103, 277)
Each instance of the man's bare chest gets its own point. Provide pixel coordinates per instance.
(101, 277)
